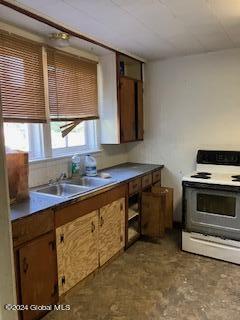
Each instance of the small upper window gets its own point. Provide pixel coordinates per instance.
(16, 136)
(23, 137)
(76, 140)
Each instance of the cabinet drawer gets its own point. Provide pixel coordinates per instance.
(156, 176)
(134, 186)
(146, 181)
(31, 227)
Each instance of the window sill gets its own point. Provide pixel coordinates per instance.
(65, 156)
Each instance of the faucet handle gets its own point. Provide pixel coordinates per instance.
(51, 181)
(63, 176)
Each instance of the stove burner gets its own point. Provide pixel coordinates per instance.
(201, 176)
(204, 173)
(236, 176)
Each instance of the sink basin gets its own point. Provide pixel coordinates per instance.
(63, 190)
(91, 182)
(74, 187)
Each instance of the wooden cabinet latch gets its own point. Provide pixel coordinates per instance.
(61, 238)
(92, 227)
(101, 221)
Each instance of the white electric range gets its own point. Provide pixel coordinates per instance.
(211, 206)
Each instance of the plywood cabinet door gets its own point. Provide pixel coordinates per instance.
(38, 274)
(111, 229)
(77, 250)
(127, 109)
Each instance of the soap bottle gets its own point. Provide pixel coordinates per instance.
(76, 161)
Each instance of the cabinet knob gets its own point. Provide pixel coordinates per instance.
(121, 206)
(93, 227)
(101, 221)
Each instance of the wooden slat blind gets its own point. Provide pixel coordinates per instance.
(21, 79)
(72, 86)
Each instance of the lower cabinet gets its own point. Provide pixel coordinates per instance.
(111, 230)
(88, 242)
(38, 274)
(77, 250)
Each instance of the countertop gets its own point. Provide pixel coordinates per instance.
(39, 202)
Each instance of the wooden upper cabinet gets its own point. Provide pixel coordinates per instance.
(127, 109)
(111, 230)
(139, 113)
(121, 99)
(38, 274)
(77, 250)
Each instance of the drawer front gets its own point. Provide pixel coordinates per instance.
(28, 228)
(146, 181)
(134, 186)
(71, 212)
(156, 176)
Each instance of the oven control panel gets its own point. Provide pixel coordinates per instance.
(226, 158)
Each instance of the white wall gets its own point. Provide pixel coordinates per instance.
(190, 103)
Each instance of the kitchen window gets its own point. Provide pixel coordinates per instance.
(45, 140)
(42, 89)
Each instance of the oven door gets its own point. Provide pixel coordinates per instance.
(213, 212)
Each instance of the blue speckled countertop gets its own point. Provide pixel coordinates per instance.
(38, 202)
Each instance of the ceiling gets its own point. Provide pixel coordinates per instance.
(151, 29)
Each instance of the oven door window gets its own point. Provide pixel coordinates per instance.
(216, 204)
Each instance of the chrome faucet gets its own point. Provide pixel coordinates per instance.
(62, 177)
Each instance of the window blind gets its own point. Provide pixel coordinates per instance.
(21, 79)
(72, 84)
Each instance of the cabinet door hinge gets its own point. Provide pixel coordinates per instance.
(63, 280)
(61, 238)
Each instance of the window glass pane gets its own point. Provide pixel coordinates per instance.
(74, 139)
(57, 140)
(77, 136)
(16, 136)
(216, 204)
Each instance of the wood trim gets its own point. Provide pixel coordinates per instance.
(130, 78)
(71, 212)
(60, 27)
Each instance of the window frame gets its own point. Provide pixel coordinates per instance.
(43, 149)
(56, 152)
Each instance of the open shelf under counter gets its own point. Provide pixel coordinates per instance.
(133, 235)
(132, 214)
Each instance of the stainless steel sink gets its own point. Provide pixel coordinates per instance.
(73, 187)
(63, 189)
(91, 182)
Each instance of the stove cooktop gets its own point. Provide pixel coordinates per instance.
(214, 178)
